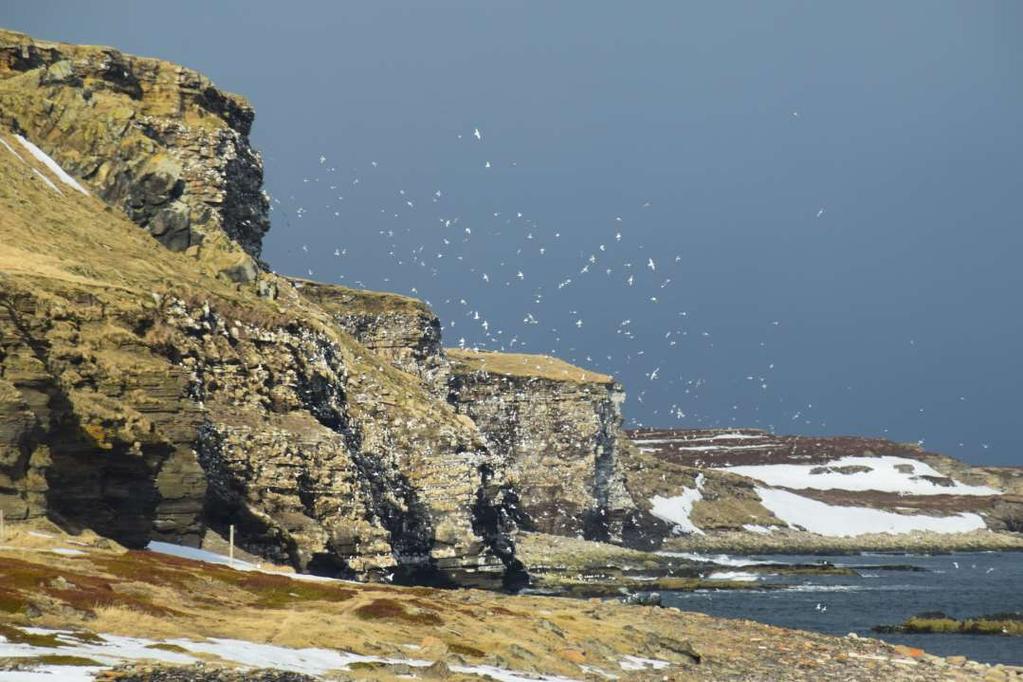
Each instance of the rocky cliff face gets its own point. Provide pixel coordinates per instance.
(556, 428)
(154, 394)
(402, 330)
(553, 428)
(155, 139)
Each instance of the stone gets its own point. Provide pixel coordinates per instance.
(171, 226)
(556, 431)
(141, 133)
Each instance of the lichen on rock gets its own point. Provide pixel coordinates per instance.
(160, 141)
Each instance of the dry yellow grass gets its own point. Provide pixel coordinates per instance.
(159, 597)
(523, 365)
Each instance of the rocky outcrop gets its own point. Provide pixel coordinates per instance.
(556, 430)
(402, 330)
(146, 396)
(155, 139)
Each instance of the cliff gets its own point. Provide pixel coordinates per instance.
(401, 330)
(556, 428)
(163, 393)
(167, 393)
(553, 428)
(155, 139)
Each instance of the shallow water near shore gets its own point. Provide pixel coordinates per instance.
(960, 584)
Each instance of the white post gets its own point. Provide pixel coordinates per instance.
(231, 541)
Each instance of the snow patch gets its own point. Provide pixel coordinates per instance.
(738, 576)
(676, 509)
(54, 167)
(114, 650)
(47, 181)
(638, 663)
(703, 439)
(841, 522)
(885, 474)
(183, 552)
(720, 559)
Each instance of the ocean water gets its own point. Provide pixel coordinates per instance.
(960, 584)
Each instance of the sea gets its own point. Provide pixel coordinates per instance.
(958, 584)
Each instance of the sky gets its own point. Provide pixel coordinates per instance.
(799, 216)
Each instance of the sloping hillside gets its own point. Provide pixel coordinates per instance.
(744, 488)
(146, 394)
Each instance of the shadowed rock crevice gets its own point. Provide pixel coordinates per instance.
(92, 478)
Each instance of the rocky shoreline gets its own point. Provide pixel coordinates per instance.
(794, 542)
(159, 383)
(76, 597)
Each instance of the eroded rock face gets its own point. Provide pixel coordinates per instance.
(556, 429)
(402, 330)
(145, 396)
(158, 140)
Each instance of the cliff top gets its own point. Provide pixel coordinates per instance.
(155, 139)
(347, 301)
(522, 365)
(157, 87)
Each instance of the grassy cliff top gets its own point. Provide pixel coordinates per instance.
(148, 85)
(522, 365)
(347, 301)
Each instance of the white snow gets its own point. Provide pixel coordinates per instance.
(196, 554)
(209, 557)
(720, 559)
(114, 650)
(51, 164)
(753, 528)
(48, 181)
(882, 477)
(719, 448)
(834, 521)
(67, 551)
(51, 673)
(719, 436)
(738, 576)
(676, 509)
(638, 663)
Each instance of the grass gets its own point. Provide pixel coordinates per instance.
(58, 659)
(390, 609)
(522, 365)
(342, 300)
(18, 636)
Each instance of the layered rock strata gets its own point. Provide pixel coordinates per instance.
(155, 139)
(556, 428)
(147, 396)
(402, 330)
